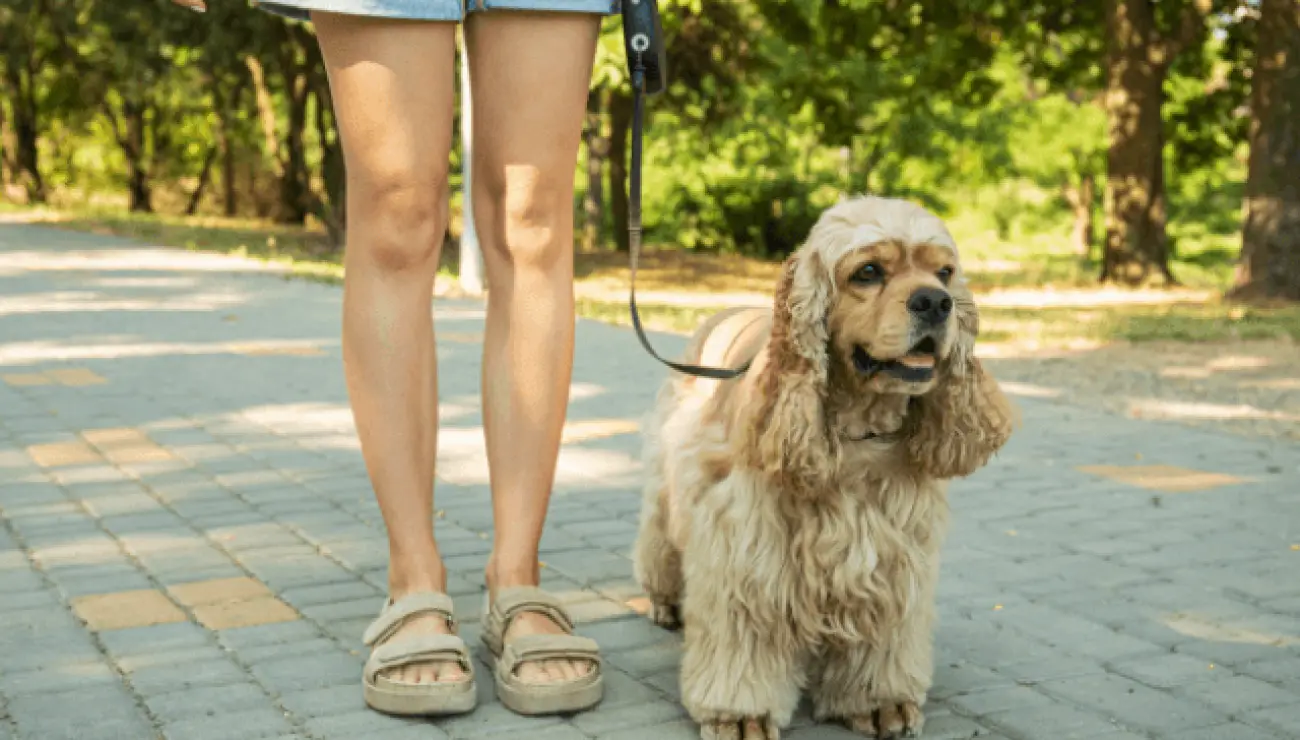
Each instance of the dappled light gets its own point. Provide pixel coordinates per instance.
(1205, 627)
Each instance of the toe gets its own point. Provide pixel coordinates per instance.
(564, 669)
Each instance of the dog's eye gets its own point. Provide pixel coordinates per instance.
(945, 274)
(868, 274)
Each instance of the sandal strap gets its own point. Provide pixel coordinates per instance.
(530, 648)
(418, 649)
(511, 602)
(395, 613)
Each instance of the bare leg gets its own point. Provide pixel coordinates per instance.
(392, 88)
(530, 73)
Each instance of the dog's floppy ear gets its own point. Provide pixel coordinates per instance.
(966, 418)
(789, 438)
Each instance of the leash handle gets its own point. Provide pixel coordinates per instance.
(634, 237)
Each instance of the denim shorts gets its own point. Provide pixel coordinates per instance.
(432, 10)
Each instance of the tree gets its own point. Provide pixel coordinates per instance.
(24, 52)
(1138, 59)
(1270, 253)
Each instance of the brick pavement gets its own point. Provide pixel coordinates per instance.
(189, 548)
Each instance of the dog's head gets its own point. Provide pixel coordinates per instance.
(874, 304)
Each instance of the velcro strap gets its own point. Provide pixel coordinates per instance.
(511, 602)
(396, 613)
(527, 648)
(418, 649)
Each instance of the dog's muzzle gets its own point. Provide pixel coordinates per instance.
(917, 366)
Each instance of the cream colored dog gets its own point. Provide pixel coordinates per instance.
(793, 517)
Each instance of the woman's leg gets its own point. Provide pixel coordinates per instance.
(392, 85)
(530, 74)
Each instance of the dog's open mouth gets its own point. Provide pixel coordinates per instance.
(917, 366)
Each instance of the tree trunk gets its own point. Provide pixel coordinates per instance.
(332, 171)
(293, 185)
(620, 119)
(1136, 248)
(1270, 251)
(204, 177)
(593, 201)
(138, 184)
(26, 132)
(1081, 198)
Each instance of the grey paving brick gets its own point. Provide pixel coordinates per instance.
(211, 703)
(679, 730)
(993, 701)
(1167, 671)
(247, 722)
(57, 677)
(1238, 694)
(99, 712)
(633, 631)
(278, 651)
(324, 702)
(308, 672)
(153, 680)
(1230, 731)
(1283, 720)
(340, 610)
(1060, 722)
(154, 639)
(602, 720)
(242, 638)
(492, 719)
(333, 593)
(1133, 704)
(369, 723)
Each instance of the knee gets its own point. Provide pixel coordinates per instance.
(408, 213)
(534, 212)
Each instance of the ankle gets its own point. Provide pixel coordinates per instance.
(500, 576)
(411, 575)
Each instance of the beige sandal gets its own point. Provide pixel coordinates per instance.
(399, 697)
(539, 698)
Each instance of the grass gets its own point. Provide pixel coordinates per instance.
(1019, 261)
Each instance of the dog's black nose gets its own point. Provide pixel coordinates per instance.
(930, 305)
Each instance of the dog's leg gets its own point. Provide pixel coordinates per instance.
(741, 670)
(656, 561)
(878, 689)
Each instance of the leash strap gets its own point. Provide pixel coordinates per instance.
(634, 237)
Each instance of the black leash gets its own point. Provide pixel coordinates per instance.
(643, 38)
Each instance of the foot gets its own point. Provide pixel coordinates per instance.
(740, 728)
(543, 671)
(666, 615)
(431, 672)
(889, 721)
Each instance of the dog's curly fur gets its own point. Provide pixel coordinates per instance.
(793, 518)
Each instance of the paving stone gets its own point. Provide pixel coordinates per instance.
(215, 704)
(1230, 731)
(1133, 704)
(154, 638)
(243, 638)
(57, 677)
(153, 680)
(324, 702)
(297, 673)
(99, 712)
(247, 722)
(372, 724)
(1167, 671)
(1236, 695)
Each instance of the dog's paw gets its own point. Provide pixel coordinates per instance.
(740, 728)
(668, 616)
(891, 720)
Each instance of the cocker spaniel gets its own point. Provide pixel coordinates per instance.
(793, 518)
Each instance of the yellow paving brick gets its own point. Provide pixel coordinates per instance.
(76, 377)
(60, 454)
(28, 379)
(1165, 478)
(125, 445)
(114, 436)
(203, 593)
(249, 613)
(585, 430)
(126, 609)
